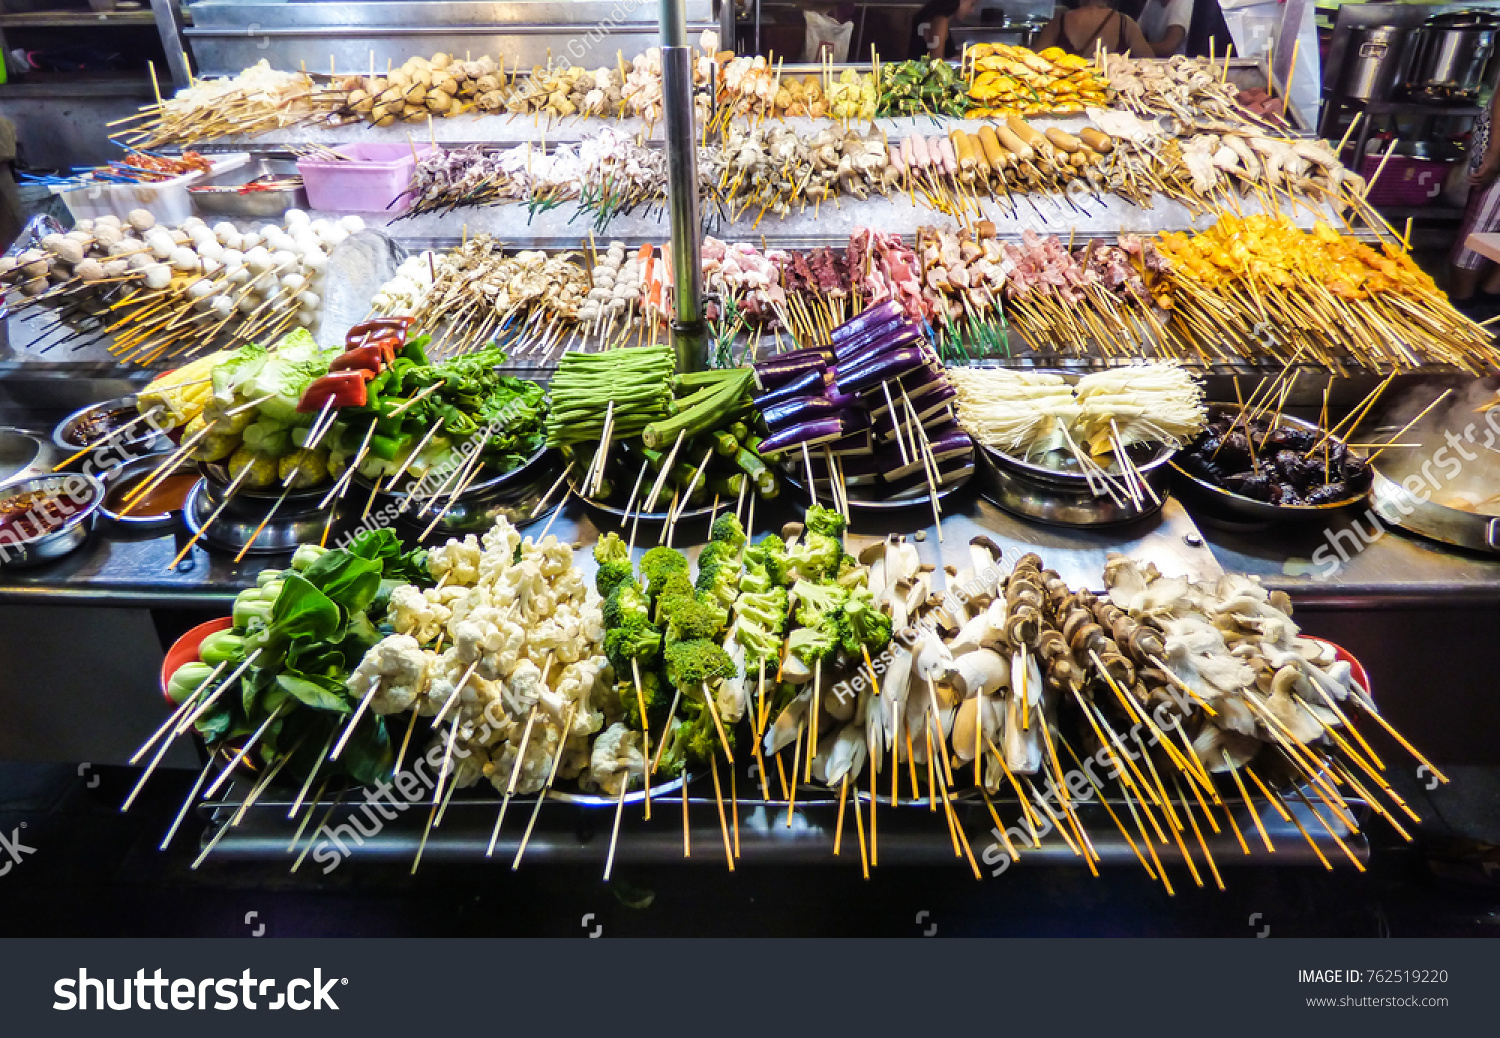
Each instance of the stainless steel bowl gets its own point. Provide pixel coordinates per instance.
(512, 494)
(142, 521)
(24, 455)
(80, 502)
(253, 205)
(1063, 497)
(140, 438)
(1218, 503)
(297, 521)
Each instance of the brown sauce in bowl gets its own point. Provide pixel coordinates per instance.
(170, 495)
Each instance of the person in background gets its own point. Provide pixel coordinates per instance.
(929, 28)
(1166, 24)
(1078, 31)
(1481, 215)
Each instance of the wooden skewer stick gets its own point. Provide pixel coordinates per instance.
(359, 712)
(666, 467)
(713, 711)
(186, 704)
(515, 774)
(640, 700)
(245, 750)
(107, 437)
(791, 801)
(228, 494)
(723, 821)
(165, 469)
(1445, 394)
(614, 836)
(213, 696)
(536, 808)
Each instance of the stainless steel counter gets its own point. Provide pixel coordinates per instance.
(229, 36)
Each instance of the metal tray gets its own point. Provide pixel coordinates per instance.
(254, 205)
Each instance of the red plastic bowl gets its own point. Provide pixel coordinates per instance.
(1356, 668)
(185, 650)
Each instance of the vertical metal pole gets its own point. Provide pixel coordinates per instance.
(689, 331)
(169, 27)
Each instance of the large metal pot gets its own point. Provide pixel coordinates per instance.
(1373, 62)
(1450, 56)
(1397, 505)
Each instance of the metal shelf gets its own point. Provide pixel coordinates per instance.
(75, 19)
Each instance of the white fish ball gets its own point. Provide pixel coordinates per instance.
(352, 223)
(232, 258)
(306, 318)
(185, 259)
(158, 276)
(294, 217)
(200, 288)
(192, 223)
(293, 282)
(239, 275)
(308, 300)
(249, 240)
(211, 266)
(202, 236)
(180, 237)
(284, 259)
(161, 246)
(248, 304)
(141, 219)
(315, 260)
(337, 235)
(211, 249)
(221, 305)
(223, 229)
(236, 241)
(381, 301)
(320, 227)
(258, 260)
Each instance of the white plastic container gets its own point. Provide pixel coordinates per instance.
(167, 200)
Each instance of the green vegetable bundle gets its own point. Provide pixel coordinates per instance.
(473, 397)
(311, 624)
(716, 455)
(638, 381)
(922, 87)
